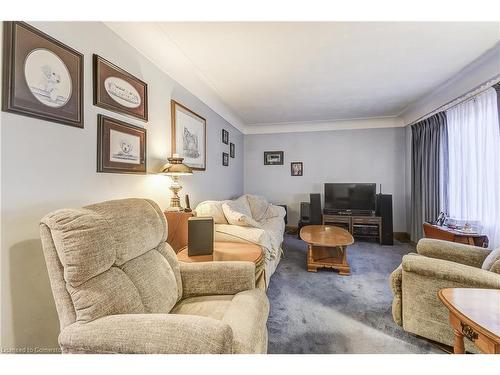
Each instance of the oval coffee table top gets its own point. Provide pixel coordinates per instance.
(326, 235)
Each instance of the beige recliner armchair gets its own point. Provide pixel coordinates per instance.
(119, 288)
(438, 264)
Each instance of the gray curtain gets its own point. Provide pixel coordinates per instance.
(429, 171)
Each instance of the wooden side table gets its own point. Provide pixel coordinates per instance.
(448, 234)
(475, 314)
(231, 251)
(177, 228)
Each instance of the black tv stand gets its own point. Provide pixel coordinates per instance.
(360, 226)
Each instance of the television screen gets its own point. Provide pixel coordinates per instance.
(350, 196)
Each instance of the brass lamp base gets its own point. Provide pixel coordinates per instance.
(175, 201)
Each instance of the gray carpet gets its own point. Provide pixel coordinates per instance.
(324, 312)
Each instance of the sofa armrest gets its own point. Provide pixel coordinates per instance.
(456, 252)
(211, 278)
(397, 292)
(440, 269)
(148, 334)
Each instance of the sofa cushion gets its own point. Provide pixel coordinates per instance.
(212, 209)
(258, 206)
(275, 211)
(492, 257)
(110, 293)
(138, 226)
(238, 212)
(208, 306)
(84, 243)
(155, 281)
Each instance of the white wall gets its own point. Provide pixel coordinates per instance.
(368, 155)
(46, 166)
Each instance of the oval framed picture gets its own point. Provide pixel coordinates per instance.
(47, 77)
(119, 91)
(43, 77)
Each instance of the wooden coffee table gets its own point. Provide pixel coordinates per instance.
(327, 247)
(475, 314)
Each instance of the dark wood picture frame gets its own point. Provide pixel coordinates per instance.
(104, 70)
(44, 100)
(300, 171)
(175, 149)
(225, 159)
(104, 163)
(231, 150)
(225, 136)
(279, 154)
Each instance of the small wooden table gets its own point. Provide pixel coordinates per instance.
(177, 222)
(327, 247)
(231, 251)
(448, 234)
(475, 314)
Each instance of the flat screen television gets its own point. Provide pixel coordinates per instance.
(356, 198)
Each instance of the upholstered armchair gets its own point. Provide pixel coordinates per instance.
(118, 287)
(438, 264)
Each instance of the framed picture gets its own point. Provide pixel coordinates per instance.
(273, 157)
(225, 159)
(189, 136)
(231, 149)
(225, 136)
(119, 91)
(121, 147)
(296, 168)
(42, 77)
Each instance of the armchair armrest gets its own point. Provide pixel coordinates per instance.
(148, 334)
(452, 272)
(213, 278)
(456, 252)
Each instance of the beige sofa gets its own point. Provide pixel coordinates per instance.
(118, 287)
(268, 231)
(438, 264)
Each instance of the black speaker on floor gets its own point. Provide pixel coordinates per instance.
(315, 209)
(384, 210)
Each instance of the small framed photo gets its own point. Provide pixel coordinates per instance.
(225, 159)
(121, 147)
(225, 136)
(119, 91)
(43, 77)
(296, 168)
(231, 150)
(273, 157)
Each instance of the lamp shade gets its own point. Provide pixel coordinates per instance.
(175, 167)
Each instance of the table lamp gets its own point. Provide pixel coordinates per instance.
(175, 168)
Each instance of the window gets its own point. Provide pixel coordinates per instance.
(473, 181)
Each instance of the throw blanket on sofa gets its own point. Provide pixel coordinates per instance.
(269, 229)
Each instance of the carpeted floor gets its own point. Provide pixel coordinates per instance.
(324, 312)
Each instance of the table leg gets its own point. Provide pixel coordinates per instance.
(458, 347)
(344, 269)
(310, 260)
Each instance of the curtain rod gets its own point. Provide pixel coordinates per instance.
(486, 85)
